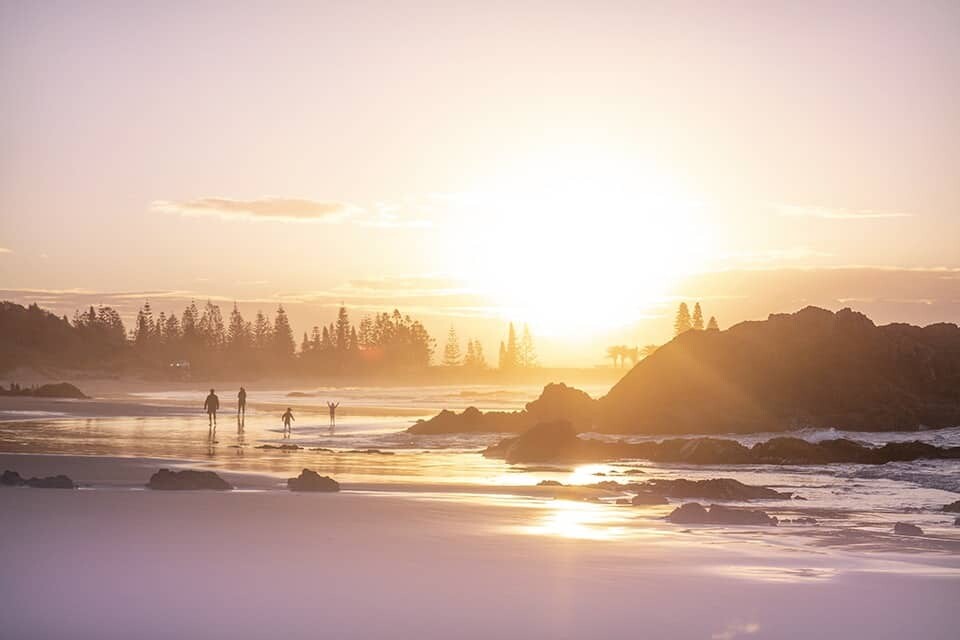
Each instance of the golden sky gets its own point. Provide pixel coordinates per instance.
(579, 166)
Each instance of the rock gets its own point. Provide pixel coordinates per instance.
(312, 481)
(549, 483)
(694, 513)
(953, 507)
(59, 390)
(714, 489)
(906, 529)
(560, 402)
(280, 447)
(956, 522)
(371, 451)
(51, 482)
(550, 441)
(802, 520)
(188, 480)
(647, 499)
(623, 501)
(11, 479)
(812, 368)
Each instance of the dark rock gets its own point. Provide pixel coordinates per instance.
(806, 520)
(11, 479)
(694, 513)
(59, 390)
(953, 507)
(906, 529)
(550, 441)
(557, 402)
(280, 447)
(371, 451)
(647, 499)
(622, 501)
(51, 482)
(813, 368)
(549, 483)
(714, 489)
(956, 522)
(188, 480)
(312, 481)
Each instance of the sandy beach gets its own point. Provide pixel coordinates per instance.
(429, 539)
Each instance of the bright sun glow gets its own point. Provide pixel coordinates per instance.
(579, 241)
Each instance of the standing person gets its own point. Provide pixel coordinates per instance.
(333, 414)
(211, 405)
(287, 417)
(242, 403)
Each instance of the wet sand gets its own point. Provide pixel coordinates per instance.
(122, 563)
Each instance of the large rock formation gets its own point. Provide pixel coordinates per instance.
(309, 480)
(813, 368)
(13, 479)
(694, 513)
(558, 442)
(54, 390)
(188, 480)
(556, 402)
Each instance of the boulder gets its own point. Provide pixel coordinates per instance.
(188, 480)
(280, 447)
(647, 499)
(956, 522)
(51, 482)
(11, 479)
(953, 507)
(549, 483)
(906, 529)
(550, 441)
(694, 513)
(309, 480)
(560, 402)
(59, 390)
(714, 489)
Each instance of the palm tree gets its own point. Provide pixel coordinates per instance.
(614, 353)
(633, 354)
(648, 350)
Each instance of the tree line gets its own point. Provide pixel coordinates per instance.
(683, 322)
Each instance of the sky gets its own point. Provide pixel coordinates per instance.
(581, 167)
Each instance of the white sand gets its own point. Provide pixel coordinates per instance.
(121, 563)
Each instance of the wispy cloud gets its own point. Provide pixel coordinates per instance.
(832, 213)
(736, 630)
(284, 209)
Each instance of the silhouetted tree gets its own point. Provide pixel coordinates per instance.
(697, 317)
(648, 350)
(712, 324)
(343, 330)
(212, 332)
(528, 353)
(502, 359)
(283, 344)
(451, 351)
(615, 353)
(682, 324)
(513, 349)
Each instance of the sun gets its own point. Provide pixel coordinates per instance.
(578, 241)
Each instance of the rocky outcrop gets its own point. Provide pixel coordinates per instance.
(906, 529)
(55, 390)
(309, 480)
(556, 402)
(712, 489)
(13, 479)
(953, 507)
(647, 499)
(695, 513)
(558, 443)
(188, 480)
(813, 368)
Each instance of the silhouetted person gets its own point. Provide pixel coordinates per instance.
(242, 403)
(211, 405)
(287, 418)
(333, 414)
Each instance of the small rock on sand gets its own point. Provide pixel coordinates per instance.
(906, 529)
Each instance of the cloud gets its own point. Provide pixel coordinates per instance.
(828, 213)
(772, 256)
(282, 209)
(732, 631)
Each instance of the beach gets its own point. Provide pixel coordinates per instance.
(429, 539)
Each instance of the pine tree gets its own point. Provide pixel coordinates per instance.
(188, 325)
(354, 344)
(697, 318)
(682, 324)
(451, 352)
(283, 343)
(479, 361)
(238, 338)
(712, 324)
(343, 330)
(211, 328)
(528, 353)
(513, 350)
(305, 345)
(502, 359)
(262, 333)
(470, 359)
